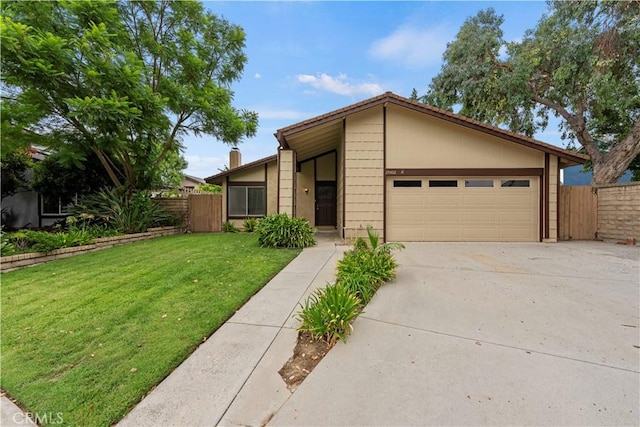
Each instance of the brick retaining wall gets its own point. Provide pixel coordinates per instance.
(14, 262)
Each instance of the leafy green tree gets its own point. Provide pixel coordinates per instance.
(14, 165)
(580, 63)
(56, 178)
(124, 81)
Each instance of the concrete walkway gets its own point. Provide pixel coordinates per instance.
(232, 379)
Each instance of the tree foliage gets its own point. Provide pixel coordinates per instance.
(580, 63)
(55, 178)
(14, 165)
(125, 81)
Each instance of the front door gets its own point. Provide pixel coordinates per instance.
(326, 203)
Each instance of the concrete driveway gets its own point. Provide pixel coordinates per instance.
(488, 334)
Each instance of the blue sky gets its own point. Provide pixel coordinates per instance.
(309, 58)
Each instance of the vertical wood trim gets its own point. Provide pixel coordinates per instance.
(546, 195)
(557, 198)
(278, 182)
(384, 178)
(344, 175)
(226, 211)
(294, 177)
(541, 212)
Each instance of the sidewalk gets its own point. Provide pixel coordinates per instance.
(232, 379)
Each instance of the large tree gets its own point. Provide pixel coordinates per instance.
(581, 63)
(125, 81)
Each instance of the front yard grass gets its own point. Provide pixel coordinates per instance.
(89, 336)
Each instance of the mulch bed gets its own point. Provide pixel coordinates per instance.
(307, 353)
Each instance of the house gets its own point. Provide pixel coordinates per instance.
(190, 183)
(30, 209)
(411, 171)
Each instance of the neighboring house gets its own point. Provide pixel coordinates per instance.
(411, 171)
(191, 182)
(30, 209)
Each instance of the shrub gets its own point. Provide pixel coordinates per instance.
(134, 213)
(6, 247)
(327, 314)
(250, 224)
(229, 227)
(368, 266)
(283, 231)
(42, 241)
(210, 188)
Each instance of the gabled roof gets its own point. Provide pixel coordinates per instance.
(392, 98)
(218, 177)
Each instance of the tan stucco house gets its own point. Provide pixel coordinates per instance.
(411, 171)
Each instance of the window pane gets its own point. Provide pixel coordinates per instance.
(257, 202)
(407, 183)
(237, 201)
(515, 183)
(478, 183)
(443, 183)
(50, 205)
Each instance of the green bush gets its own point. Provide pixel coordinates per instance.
(127, 213)
(327, 314)
(6, 247)
(42, 241)
(229, 227)
(250, 224)
(283, 231)
(368, 266)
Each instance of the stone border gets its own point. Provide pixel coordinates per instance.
(13, 262)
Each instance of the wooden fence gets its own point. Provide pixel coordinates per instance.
(578, 216)
(205, 213)
(201, 213)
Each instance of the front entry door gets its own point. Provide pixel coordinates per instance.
(326, 203)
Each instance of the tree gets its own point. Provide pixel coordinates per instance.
(14, 165)
(580, 63)
(124, 81)
(55, 178)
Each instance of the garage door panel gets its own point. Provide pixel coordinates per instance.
(479, 200)
(463, 213)
(479, 217)
(444, 200)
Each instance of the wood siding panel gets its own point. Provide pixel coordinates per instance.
(364, 173)
(415, 140)
(272, 188)
(286, 184)
(305, 201)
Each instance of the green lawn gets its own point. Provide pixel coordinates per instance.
(89, 336)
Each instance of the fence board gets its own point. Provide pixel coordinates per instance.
(578, 216)
(205, 213)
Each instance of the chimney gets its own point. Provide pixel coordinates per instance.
(235, 159)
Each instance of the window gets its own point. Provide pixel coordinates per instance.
(443, 183)
(245, 201)
(474, 183)
(417, 183)
(515, 183)
(56, 205)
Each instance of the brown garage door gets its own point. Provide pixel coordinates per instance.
(472, 209)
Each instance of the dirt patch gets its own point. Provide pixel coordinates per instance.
(307, 353)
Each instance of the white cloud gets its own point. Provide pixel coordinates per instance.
(203, 167)
(340, 84)
(257, 75)
(414, 47)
